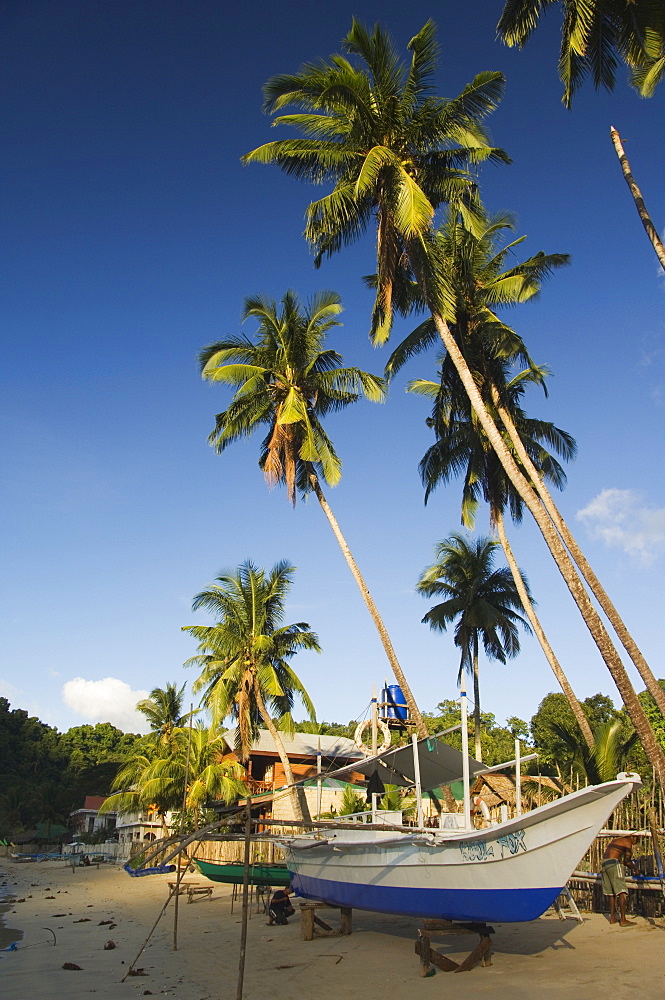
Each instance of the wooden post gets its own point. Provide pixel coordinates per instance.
(518, 778)
(657, 856)
(346, 922)
(306, 923)
(318, 779)
(245, 901)
(425, 953)
(182, 823)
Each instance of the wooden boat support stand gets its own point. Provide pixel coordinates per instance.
(311, 925)
(481, 954)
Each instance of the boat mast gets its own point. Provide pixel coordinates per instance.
(416, 774)
(465, 761)
(318, 779)
(375, 745)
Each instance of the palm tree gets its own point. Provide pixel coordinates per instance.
(459, 440)
(286, 380)
(480, 599)
(605, 758)
(475, 263)
(190, 768)
(595, 35)
(394, 151)
(397, 799)
(244, 657)
(163, 710)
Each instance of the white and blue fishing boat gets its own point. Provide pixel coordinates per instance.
(510, 871)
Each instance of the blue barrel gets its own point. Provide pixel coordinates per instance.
(394, 705)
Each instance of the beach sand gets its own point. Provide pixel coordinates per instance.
(544, 959)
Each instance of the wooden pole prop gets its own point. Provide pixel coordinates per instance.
(657, 856)
(182, 823)
(318, 779)
(245, 901)
(152, 931)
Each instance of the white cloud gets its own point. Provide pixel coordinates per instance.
(620, 519)
(109, 700)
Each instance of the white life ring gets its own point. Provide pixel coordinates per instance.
(358, 737)
(479, 805)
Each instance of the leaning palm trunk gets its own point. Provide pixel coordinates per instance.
(593, 622)
(597, 589)
(557, 670)
(371, 607)
(297, 794)
(651, 230)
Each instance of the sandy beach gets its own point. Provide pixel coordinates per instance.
(83, 909)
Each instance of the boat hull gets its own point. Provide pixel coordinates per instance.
(509, 872)
(232, 874)
(500, 905)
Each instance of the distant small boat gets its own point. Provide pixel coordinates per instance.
(232, 873)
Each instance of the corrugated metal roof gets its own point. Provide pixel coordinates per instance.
(303, 744)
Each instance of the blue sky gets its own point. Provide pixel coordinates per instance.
(132, 234)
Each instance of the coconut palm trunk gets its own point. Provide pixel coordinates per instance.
(550, 656)
(649, 227)
(371, 607)
(593, 622)
(300, 808)
(597, 589)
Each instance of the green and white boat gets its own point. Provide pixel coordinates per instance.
(231, 872)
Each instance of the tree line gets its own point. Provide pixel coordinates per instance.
(45, 774)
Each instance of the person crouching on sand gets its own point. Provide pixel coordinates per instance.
(618, 854)
(280, 907)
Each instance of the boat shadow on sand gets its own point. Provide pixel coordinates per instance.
(529, 938)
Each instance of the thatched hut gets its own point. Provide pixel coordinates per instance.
(498, 790)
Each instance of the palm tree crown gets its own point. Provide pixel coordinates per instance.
(244, 655)
(480, 599)
(163, 710)
(390, 147)
(190, 768)
(609, 754)
(475, 265)
(287, 380)
(595, 35)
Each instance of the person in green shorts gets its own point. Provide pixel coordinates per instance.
(618, 855)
